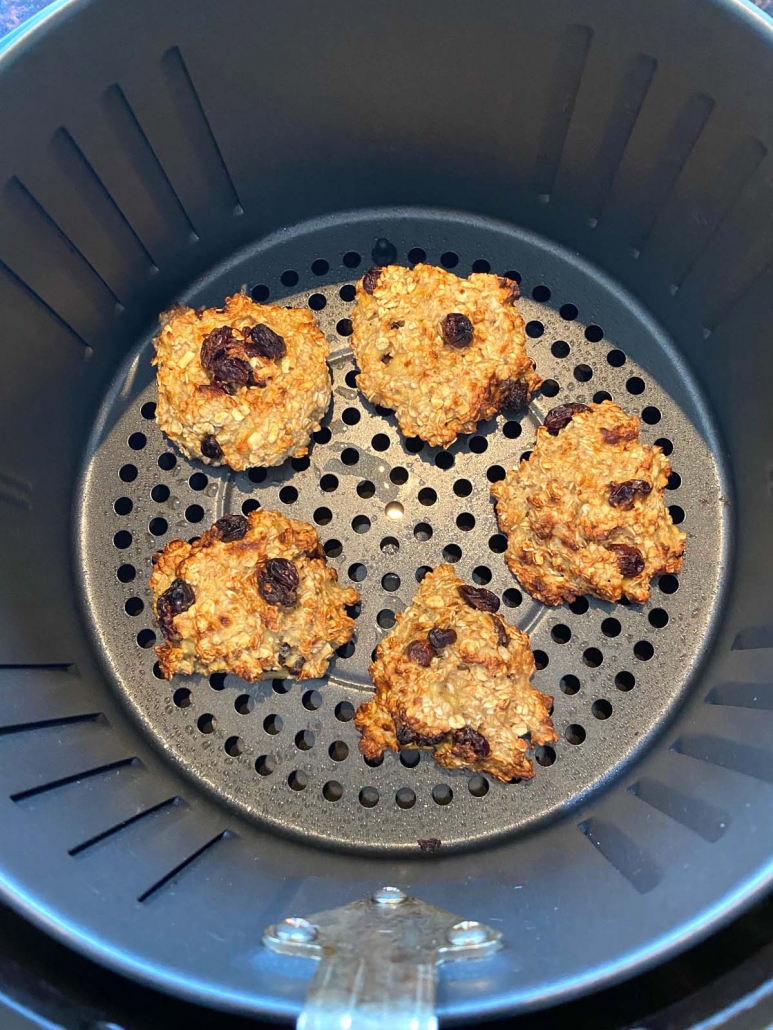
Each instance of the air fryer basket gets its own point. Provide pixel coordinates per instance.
(615, 160)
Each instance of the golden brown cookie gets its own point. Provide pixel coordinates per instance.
(453, 677)
(585, 513)
(254, 596)
(241, 385)
(445, 353)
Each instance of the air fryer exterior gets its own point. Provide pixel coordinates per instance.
(146, 144)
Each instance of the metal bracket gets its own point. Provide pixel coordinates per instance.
(378, 960)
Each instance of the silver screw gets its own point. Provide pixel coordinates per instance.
(468, 933)
(389, 896)
(296, 931)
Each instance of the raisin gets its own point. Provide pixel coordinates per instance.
(232, 371)
(397, 324)
(278, 582)
(621, 495)
(468, 738)
(560, 417)
(629, 559)
(386, 358)
(440, 638)
(514, 290)
(406, 735)
(620, 434)
(177, 598)
(211, 449)
(215, 345)
(430, 846)
(262, 342)
(232, 527)
(513, 394)
(370, 279)
(502, 637)
(480, 598)
(457, 330)
(421, 652)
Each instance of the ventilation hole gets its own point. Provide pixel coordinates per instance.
(256, 475)
(541, 660)
(423, 532)
(198, 481)
(158, 526)
(234, 747)
(416, 256)
(512, 430)
(560, 349)
(182, 697)
(368, 797)
(312, 700)
(534, 329)
(658, 618)
(643, 650)
(160, 493)
(345, 650)
(148, 410)
(594, 333)
(481, 265)
(332, 791)
(273, 724)
(465, 521)
(449, 259)
(354, 610)
(525, 455)
(260, 293)
(592, 657)
(351, 381)
(651, 415)
(281, 686)
(512, 597)
(549, 388)
(357, 572)
(427, 496)
(385, 618)
(497, 543)
(442, 794)
(582, 373)
(366, 489)
(634, 385)
(304, 740)
(251, 504)
(478, 786)
(194, 513)
(351, 416)
(351, 259)
(328, 483)
(674, 481)
(616, 358)
(561, 634)
(137, 441)
(338, 751)
(317, 301)
(405, 798)
(601, 709)
(350, 456)
(390, 582)
(611, 627)
(323, 516)
(625, 681)
(128, 473)
(265, 765)
(410, 757)
(512, 274)
(133, 606)
(462, 488)
(206, 723)
(668, 584)
(126, 573)
(320, 267)
(398, 476)
(413, 444)
(360, 523)
(579, 605)
(289, 277)
(380, 442)
(347, 292)
(600, 396)
(541, 294)
(344, 327)
(478, 444)
(122, 539)
(544, 755)
(568, 312)
(575, 733)
(452, 553)
(244, 704)
(665, 445)
(298, 780)
(344, 711)
(389, 545)
(481, 575)
(333, 548)
(569, 684)
(495, 473)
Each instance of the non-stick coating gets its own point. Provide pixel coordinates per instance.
(152, 152)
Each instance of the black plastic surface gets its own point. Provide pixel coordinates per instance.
(143, 145)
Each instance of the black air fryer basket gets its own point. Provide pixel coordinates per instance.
(614, 158)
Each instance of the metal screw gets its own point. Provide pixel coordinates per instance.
(389, 896)
(468, 933)
(296, 931)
